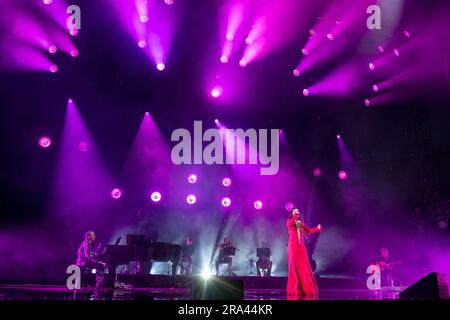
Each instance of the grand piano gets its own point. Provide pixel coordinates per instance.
(144, 251)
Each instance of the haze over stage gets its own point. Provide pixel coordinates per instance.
(87, 116)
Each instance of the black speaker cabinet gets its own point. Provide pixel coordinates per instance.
(432, 286)
(216, 288)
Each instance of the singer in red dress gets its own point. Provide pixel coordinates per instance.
(301, 283)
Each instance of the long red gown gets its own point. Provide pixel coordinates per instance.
(301, 283)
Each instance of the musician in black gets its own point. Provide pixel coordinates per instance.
(264, 263)
(87, 257)
(223, 257)
(387, 267)
(186, 257)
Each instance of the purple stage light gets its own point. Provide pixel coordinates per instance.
(226, 182)
(74, 52)
(305, 52)
(191, 199)
(407, 34)
(330, 37)
(116, 193)
(83, 146)
(160, 66)
(142, 44)
(248, 41)
(143, 18)
(312, 32)
(289, 206)
(342, 175)
(396, 52)
(155, 196)
(70, 100)
(216, 121)
(224, 59)
(305, 92)
(317, 172)
(44, 142)
(367, 102)
(338, 137)
(47, 1)
(229, 37)
(53, 68)
(243, 62)
(296, 72)
(258, 204)
(375, 88)
(371, 66)
(192, 178)
(52, 49)
(216, 92)
(168, 2)
(74, 32)
(380, 49)
(226, 202)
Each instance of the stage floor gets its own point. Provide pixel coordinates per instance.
(179, 288)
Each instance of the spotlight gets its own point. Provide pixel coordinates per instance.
(367, 102)
(296, 72)
(74, 52)
(116, 193)
(216, 121)
(47, 1)
(258, 204)
(229, 37)
(407, 34)
(305, 92)
(375, 89)
(289, 206)
(243, 62)
(83, 146)
(305, 52)
(191, 199)
(74, 32)
(312, 32)
(53, 68)
(342, 175)
(143, 19)
(192, 178)
(317, 172)
(206, 274)
(52, 49)
(396, 52)
(338, 137)
(248, 41)
(380, 49)
(371, 66)
(216, 92)
(70, 100)
(160, 66)
(168, 2)
(142, 44)
(330, 37)
(226, 202)
(224, 59)
(44, 142)
(155, 196)
(226, 182)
